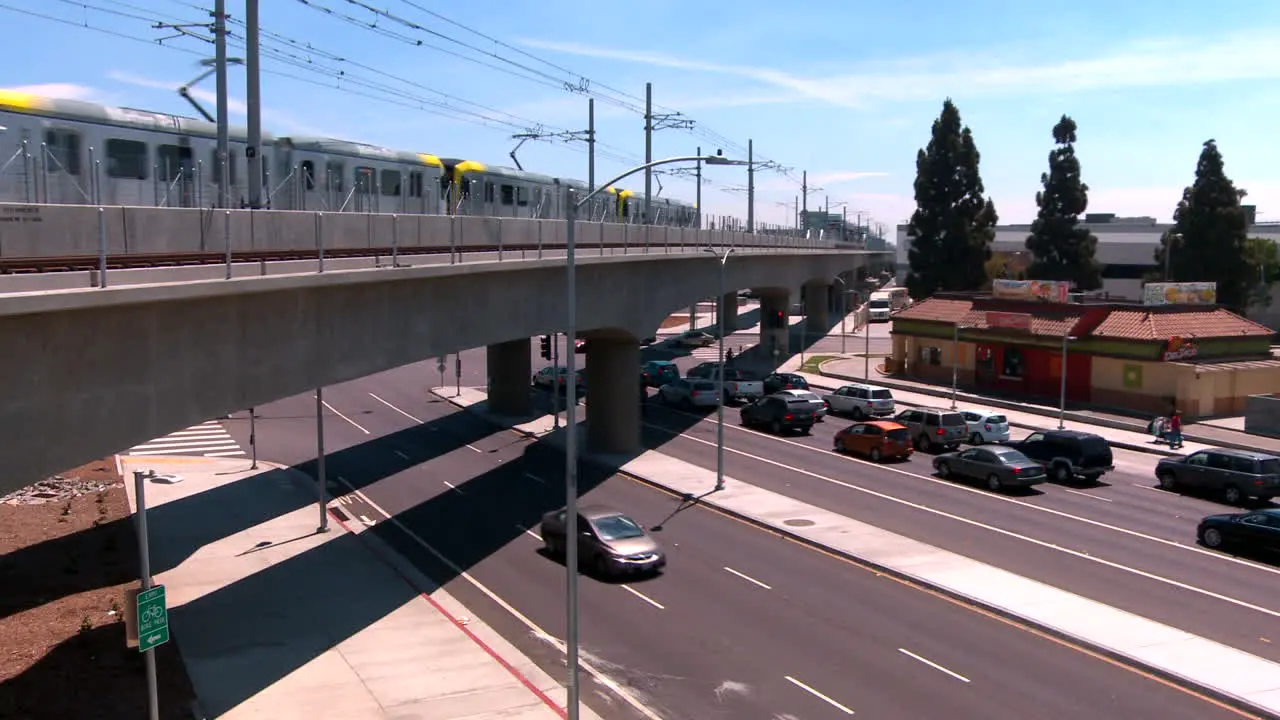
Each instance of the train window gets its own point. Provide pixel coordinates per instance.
(126, 159)
(391, 183)
(522, 196)
(308, 173)
(333, 175)
(63, 147)
(171, 160)
(231, 164)
(363, 178)
(508, 195)
(415, 184)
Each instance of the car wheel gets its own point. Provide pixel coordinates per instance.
(925, 443)
(944, 469)
(975, 439)
(1168, 481)
(686, 404)
(858, 413)
(806, 430)
(837, 447)
(993, 483)
(1232, 495)
(1211, 537)
(1061, 473)
(776, 427)
(875, 454)
(600, 566)
(553, 546)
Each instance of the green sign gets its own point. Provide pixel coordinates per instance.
(153, 619)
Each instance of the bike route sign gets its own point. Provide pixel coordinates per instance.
(153, 619)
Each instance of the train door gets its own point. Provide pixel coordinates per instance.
(127, 172)
(175, 170)
(364, 190)
(61, 178)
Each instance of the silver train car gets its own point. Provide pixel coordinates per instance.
(79, 153)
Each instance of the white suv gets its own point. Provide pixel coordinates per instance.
(861, 401)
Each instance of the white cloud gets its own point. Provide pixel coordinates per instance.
(1145, 63)
(64, 91)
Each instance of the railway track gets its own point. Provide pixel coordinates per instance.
(72, 263)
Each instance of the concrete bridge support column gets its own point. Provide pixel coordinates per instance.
(509, 367)
(816, 302)
(729, 311)
(774, 319)
(613, 396)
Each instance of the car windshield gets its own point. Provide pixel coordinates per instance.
(797, 403)
(1271, 467)
(996, 419)
(880, 304)
(881, 395)
(952, 419)
(617, 527)
(1010, 456)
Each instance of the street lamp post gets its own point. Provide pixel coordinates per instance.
(1062, 399)
(955, 362)
(724, 260)
(571, 417)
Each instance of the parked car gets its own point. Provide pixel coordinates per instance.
(1235, 475)
(657, 373)
(861, 401)
(778, 413)
(1068, 454)
(689, 393)
(693, 338)
(877, 439)
(550, 376)
(818, 404)
(1258, 530)
(609, 542)
(934, 428)
(999, 467)
(738, 384)
(784, 381)
(986, 426)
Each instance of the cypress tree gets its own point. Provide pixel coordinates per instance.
(953, 225)
(1208, 241)
(1061, 249)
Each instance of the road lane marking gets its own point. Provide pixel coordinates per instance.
(530, 533)
(344, 417)
(1088, 495)
(537, 630)
(1002, 531)
(975, 491)
(1148, 487)
(933, 665)
(747, 578)
(817, 694)
(643, 597)
(402, 455)
(453, 487)
(535, 477)
(393, 407)
(365, 520)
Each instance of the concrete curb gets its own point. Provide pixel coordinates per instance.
(1072, 416)
(1114, 655)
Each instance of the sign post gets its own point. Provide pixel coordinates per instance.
(440, 369)
(457, 372)
(153, 626)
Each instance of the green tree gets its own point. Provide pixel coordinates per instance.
(1208, 240)
(1061, 249)
(953, 225)
(1264, 263)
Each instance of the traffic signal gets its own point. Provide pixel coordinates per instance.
(779, 320)
(546, 347)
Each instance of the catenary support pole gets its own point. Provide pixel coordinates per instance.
(253, 92)
(591, 144)
(751, 186)
(220, 60)
(697, 179)
(648, 149)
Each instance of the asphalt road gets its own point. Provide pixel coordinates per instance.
(1123, 542)
(743, 624)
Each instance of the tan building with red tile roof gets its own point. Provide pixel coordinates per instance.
(1202, 359)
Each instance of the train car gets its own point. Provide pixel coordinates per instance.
(682, 214)
(341, 176)
(73, 152)
(601, 208)
(475, 188)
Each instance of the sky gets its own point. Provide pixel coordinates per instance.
(844, 89)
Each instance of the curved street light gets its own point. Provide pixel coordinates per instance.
(571, 414)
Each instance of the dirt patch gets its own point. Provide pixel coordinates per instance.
(675, 321)
(67, 553)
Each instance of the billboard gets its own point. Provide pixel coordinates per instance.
(1187, 293)
(1043, 290)
(1009, 321)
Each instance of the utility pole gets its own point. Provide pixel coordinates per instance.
(697, 178)
(220, 55)
(751, 186)
(797, 203)
(253, 91)
(591, 145)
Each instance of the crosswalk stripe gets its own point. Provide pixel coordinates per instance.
(208, 439)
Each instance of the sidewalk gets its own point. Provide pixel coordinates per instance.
(1127, 430)
(1230, 675)
(276, 620)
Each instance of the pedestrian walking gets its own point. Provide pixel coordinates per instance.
(1175, 430)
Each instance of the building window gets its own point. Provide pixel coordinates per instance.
(1011, 367)
(985, 360)
(930, 355)
(63, 147)
(126, 159)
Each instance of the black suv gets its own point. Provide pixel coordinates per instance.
(778, 413)
(784, 381)
(1235, 475)
(1068, 454)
